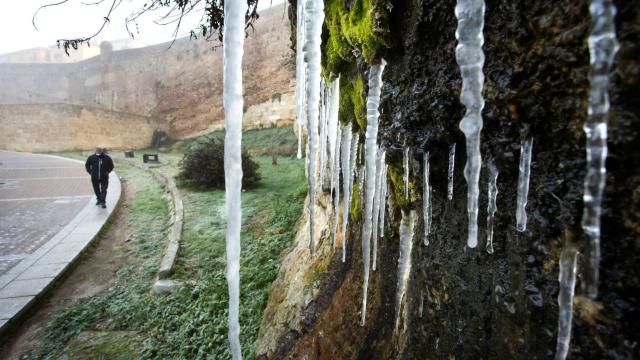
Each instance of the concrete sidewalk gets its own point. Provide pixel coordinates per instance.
(47, 218)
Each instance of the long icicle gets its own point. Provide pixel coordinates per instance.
(405, 167)
(404, 266)
(492, 193)
(335, 180)
(323, 124)
(567, 280)
(233, 43)
(523, 184)
(314, 17)
(371, 160)
(470, 58)
(452, 161)
(300, 74)
(383, 208)
(602, 47)
(377, 201)
(346, 187)
(426, 199)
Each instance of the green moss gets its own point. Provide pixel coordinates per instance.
(345, 112)
(359, 103)
(363, 28)
(354, 208)
(397, 185)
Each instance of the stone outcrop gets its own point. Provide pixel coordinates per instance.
(465, 303)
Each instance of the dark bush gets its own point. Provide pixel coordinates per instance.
(203, 166)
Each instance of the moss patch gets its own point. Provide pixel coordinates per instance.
(95, 345)
(362, 27)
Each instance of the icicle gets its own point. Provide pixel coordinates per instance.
(384, 198)
(346, 184)
(470, 58)
(426, 199)
(333, 129)
(300, 74)
(603, 47)
(371, 160)
(362, 172)
(233, 43)
(405, 175)
(404, 263)
(492, 193)
(382, 209)
(314, 17)
(567, 279)
(377, 202)
(452, 160)
(523, 184)
(324, 92)
(335, 186)
(355, 145)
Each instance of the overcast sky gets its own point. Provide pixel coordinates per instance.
(73, 19)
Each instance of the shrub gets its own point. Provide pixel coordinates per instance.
(203, 166)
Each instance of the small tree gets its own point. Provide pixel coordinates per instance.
(203, 166)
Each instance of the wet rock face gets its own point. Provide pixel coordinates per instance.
(477, 305)
(537, 60)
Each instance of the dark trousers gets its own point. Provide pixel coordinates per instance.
(100, 188)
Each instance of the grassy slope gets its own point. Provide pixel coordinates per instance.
(192, 322)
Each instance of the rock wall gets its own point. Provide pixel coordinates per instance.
(58, 127)
(181, 84)
(465, 303)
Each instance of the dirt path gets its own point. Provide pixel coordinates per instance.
(93, 274)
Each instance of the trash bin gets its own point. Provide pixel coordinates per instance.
(150, 158)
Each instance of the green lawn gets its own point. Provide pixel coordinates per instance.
(191, 323)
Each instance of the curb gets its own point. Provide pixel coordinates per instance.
(175, 234)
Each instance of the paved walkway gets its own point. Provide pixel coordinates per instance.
(47, 218)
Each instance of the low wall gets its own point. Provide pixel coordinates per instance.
(59, 127)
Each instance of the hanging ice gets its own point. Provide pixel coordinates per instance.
(347, 178)
(405, 167)
(314, 17)
(371, 160)
(383, 197)
(602, 47)
(567, 279)
(452, 160)
(335, 186)
(492, 194)
(332, 129)
(324, 100)
(355, 145)
(383, 208)
(404, 264)
(300, 74)
(523, 185)
(233, 43)
(426, 199)
(377, 202)
(470, 58)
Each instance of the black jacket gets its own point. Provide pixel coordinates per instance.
(99, 166)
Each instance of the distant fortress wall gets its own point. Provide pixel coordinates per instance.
(180, 86)
(58, 127)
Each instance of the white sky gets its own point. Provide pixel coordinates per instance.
(73, 19)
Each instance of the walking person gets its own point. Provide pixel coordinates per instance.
(99, 165)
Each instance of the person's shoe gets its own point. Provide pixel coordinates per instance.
(98, 203)
(104, 205)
